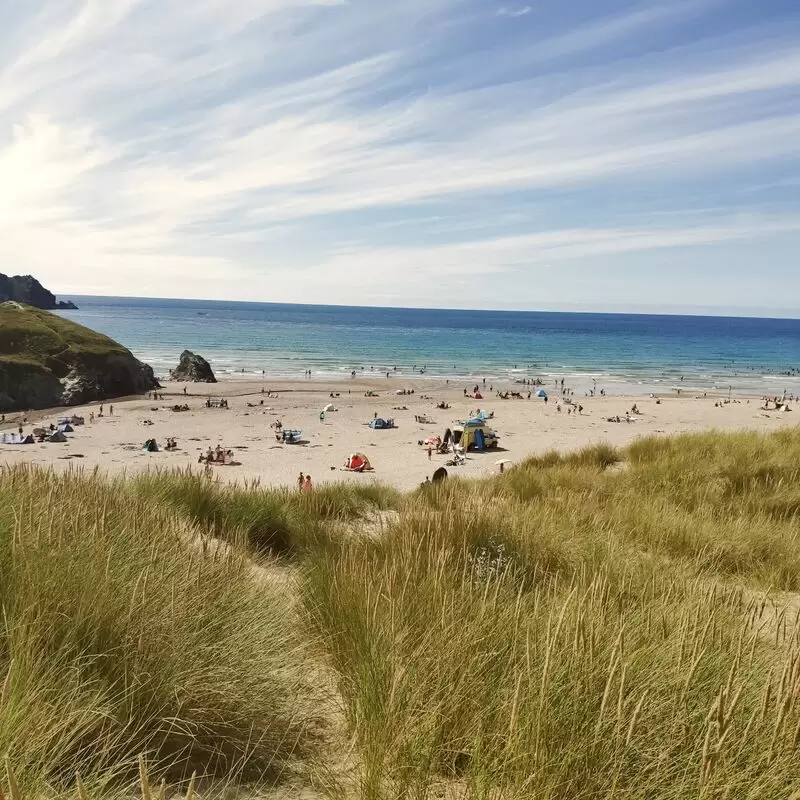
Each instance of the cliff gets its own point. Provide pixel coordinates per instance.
(26, 289)
(47, 361)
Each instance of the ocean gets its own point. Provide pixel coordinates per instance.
(622, 353)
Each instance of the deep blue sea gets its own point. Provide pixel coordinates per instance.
(619, 351)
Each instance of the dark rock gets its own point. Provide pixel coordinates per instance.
(26, 289)
(193, 369)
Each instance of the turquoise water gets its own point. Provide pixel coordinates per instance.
(619, 351)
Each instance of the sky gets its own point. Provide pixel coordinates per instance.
(543, 154)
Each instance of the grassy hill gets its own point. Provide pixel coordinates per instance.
(604, 624)
(35, 336)
(38, 350)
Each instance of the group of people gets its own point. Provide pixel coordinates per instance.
(158, 396)
(216, 455)
(221, 403)
(776, 403)
(304, 483)
(617, 418)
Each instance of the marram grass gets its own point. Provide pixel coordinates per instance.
(604, 624)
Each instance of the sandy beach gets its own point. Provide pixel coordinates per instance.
(114, 444)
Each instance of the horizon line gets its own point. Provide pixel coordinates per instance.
(642, 310)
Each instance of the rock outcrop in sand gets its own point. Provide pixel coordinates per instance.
(48, 361)
(193, 369)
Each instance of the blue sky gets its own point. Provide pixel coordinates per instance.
(593, 154)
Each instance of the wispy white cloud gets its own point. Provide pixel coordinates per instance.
(520, 11)
(153, 147)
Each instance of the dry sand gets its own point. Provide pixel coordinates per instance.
(113, 444)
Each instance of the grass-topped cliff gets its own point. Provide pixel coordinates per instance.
(607, 624)
(46, 360)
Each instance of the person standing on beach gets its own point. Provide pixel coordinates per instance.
(111, 410)
(301, 482)
(430, 452)
(307, 486)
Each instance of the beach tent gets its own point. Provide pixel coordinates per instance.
(15, 438)
(541, 393)
(291, 436)
(439, 475)
(381, 424)
(66, 428)
(330, 407)
(475, 437)
(358, 462)
(57, 438)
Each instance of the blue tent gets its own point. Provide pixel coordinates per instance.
(381, 424)
(541, 393)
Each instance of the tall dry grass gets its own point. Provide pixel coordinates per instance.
(571, 631)
(125, 635)
(593, 625)
(280, 522)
